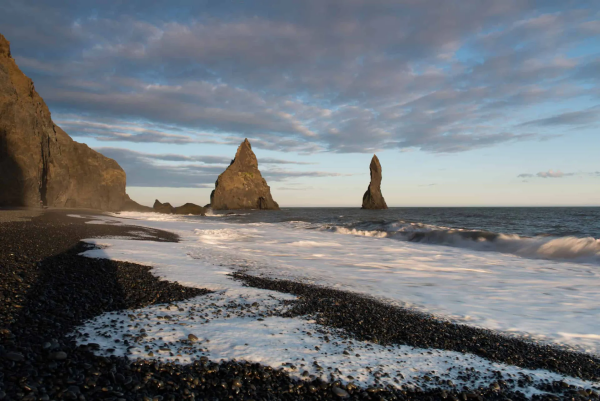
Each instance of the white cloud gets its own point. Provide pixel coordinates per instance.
(550, 174)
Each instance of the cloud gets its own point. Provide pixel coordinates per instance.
(298, 188)
(551, 174)
(148, 170)
(120, 131)
(312, 76)
(207, 159)
(143, 171)
(270, 160)
(558, 174)
(570, 118)
(282, 175)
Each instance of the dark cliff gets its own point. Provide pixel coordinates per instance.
(39, 162)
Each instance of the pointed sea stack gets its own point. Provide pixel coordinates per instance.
(241, 186)
(373, 199)
(39, 163)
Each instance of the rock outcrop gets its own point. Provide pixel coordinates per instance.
(241, 186)
(188, 208)
(163, 207)
(373, 199)
(132, 206)
(39, 162)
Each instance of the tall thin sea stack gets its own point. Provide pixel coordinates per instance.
(373, 199)
(241, 186)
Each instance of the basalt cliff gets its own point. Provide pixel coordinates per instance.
(373, 199)
(241, 186)
(39, 162)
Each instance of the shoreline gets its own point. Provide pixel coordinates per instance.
(39, 280)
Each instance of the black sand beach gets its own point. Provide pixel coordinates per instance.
(46, 290)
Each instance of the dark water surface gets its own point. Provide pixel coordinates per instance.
(561, 233)
(523, 221)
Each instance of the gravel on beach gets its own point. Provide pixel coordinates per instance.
(372, 320)
(47, 289)
(20, 214)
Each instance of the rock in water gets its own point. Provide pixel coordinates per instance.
(241, 186)
(163, 207)
(39, 162)
(190, 208)
(373, 199)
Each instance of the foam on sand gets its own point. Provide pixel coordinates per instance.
(245, 323)
(551, 301)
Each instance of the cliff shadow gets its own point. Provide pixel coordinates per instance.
(56, 290)
(12, 182)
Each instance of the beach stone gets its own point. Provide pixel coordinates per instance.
(340, 392)
(192, 338)
(373, 198)
(59, 356)
(241, 185)
(40, 163)
(14, 356)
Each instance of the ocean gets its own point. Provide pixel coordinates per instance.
(567, 233)
(524, 221)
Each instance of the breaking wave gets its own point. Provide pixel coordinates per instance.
(574, 249)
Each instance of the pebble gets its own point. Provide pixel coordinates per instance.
(59, 356)
(340, 392)
(14, 356)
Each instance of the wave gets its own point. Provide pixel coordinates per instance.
(567, 248)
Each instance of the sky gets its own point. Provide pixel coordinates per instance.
(465, 102)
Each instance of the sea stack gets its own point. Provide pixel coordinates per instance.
(241, 186)
(39, 163)
(373, 199)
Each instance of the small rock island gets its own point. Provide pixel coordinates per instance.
(188, 208)
(373, 199)
(241, 186)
